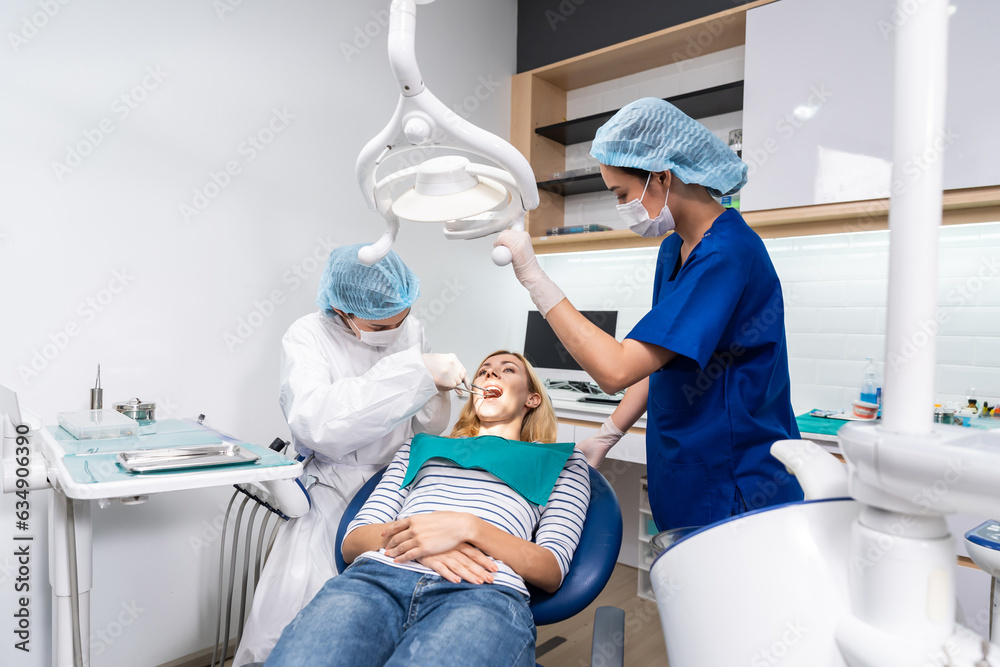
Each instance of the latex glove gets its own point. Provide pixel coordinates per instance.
(447, 371)
(545, 293)
(596, 447)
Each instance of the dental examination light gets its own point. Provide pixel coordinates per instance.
(470, 200)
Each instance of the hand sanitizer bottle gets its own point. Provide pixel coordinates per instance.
(869, 386)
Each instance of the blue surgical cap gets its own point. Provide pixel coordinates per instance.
(376, 292)
(654, 135)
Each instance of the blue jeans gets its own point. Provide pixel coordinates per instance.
(377, 614)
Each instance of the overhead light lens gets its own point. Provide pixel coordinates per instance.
(445, 190)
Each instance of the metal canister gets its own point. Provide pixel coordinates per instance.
(137, 410)
(944, 415)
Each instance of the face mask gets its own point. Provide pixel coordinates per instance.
(383, 338)
(635, 214)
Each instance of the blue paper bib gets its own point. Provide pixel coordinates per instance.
(530, 468)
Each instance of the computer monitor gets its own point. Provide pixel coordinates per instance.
(549, 356)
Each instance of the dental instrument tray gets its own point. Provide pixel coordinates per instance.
(186, 458)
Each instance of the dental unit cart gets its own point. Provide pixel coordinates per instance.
(172, 454)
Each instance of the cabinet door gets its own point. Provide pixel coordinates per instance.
(631, 448)
(818, 102)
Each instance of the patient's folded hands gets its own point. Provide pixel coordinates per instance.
(463, 563)
(422, 535)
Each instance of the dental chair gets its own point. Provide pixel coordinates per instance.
(589, 571)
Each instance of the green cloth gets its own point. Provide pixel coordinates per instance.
(530, 468)
(822, 425)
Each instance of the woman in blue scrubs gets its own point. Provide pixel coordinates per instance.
(708, 363)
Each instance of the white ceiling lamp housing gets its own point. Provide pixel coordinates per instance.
(466, 198)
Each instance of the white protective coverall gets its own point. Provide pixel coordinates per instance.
(349, 407)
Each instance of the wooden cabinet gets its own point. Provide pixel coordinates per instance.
(539, 129)
(538, 99)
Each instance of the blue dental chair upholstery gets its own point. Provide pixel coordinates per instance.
(589, 571)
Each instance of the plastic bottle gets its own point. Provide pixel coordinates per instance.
(869, 386)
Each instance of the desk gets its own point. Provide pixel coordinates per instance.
(82, 471)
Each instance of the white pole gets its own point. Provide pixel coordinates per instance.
(915, 213)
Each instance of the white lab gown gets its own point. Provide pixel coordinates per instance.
(349, 407)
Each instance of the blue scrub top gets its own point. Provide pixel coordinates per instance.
(715, 409)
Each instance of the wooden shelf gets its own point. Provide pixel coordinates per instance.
(619, 238)
(538, 96)
(698, 104)
(574, 185)
(962, 206)
(959, 207)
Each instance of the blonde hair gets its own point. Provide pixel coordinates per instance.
(539, 424)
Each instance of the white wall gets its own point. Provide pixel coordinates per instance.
(835, 298)
(834, 289)
(158, 98)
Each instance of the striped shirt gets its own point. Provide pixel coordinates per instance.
(440, 485)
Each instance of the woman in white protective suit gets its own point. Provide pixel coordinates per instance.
(357, 381)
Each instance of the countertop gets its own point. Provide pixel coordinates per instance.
(571, 410)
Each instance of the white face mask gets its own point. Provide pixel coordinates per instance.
(383, 338)
(635, 214)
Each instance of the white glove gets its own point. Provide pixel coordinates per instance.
(545, 293)
(596, 447)
(447, 371)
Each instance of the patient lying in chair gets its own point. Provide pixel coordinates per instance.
(441, 551)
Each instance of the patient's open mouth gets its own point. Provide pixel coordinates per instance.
(492, 391)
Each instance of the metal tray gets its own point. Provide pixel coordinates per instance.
(185, 458)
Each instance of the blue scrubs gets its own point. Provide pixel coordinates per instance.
(715, 409)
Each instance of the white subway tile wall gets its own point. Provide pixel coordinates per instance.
(835, 299)
(684, 77)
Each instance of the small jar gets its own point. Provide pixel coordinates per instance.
(137, 410)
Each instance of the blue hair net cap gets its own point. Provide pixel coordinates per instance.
(654, 135)
(376, 292)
